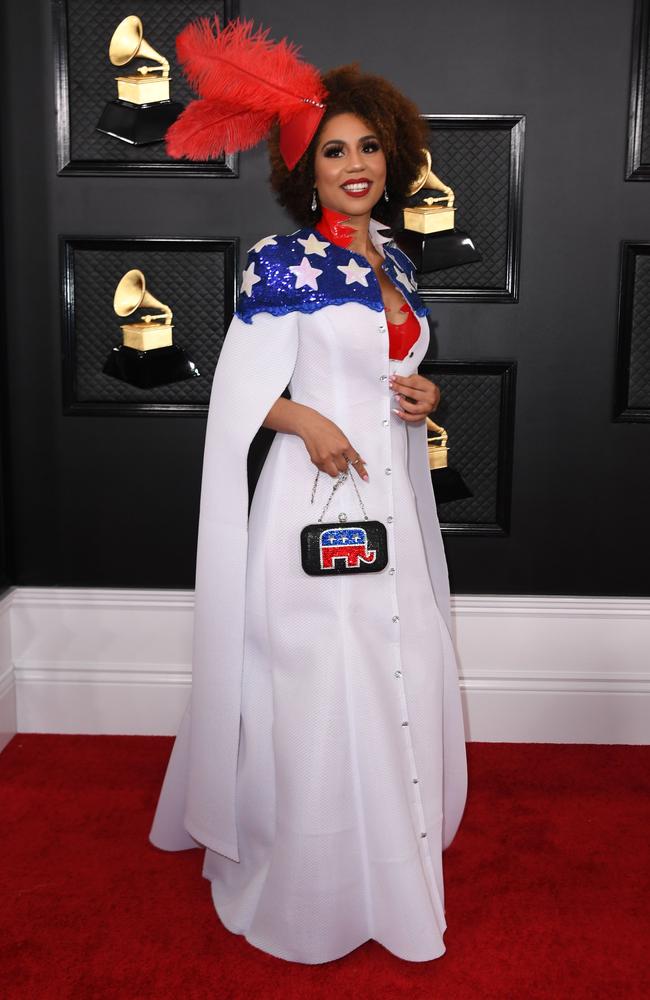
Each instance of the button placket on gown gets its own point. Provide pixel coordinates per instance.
(419, 823)
(390, 365)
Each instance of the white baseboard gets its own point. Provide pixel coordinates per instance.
(7, 684)
(101, 661)
(554, 669)
(532, 668)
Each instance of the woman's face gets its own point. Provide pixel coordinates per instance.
(349, 166)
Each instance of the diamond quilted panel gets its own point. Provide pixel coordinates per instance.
(470, 411)
(639, 381)
(192, 282)
(475, 162)
(91, 75)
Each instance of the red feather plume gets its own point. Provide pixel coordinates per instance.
(210, 128)
(246, 69)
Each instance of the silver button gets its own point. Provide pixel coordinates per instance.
(381, 327)
(415, 781)
(423, 834)
(405, 723)
(387, 471)
(398, 673)
(395, 618)
(390, 521)
(385, 423)
(391, 570)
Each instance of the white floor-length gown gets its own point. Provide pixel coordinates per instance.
(349, 776)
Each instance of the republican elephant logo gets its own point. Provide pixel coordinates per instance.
(349, 544)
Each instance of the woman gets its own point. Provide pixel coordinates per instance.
(321, 762)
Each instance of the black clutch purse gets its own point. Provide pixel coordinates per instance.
(337, 547)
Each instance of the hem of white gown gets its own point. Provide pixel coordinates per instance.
(270, 949)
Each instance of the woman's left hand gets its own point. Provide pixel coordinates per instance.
(415, 395)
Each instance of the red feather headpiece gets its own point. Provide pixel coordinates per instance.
(246, 83)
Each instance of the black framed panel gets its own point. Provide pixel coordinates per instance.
(638, 139)
(85, 82)
(633, 350)
(196, 278)
(477, 407)
(481, 158)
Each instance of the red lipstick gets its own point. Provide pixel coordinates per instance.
(367, 184)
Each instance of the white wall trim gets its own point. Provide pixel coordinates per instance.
(532, 668)
(554, 669)
(101, 660)
(7, 684)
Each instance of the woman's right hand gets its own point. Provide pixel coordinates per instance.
(328, 446)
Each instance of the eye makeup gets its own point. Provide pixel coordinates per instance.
(369, 144)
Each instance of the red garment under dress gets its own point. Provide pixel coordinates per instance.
(402, 336)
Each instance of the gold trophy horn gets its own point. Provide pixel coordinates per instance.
(128, 42)
(147, 356)
(427, 179)
(437, 452)
(429, 236)
(434, 214)
(131, 294)
(448, 484)
(143, 110)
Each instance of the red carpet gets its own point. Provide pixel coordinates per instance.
(547, 884)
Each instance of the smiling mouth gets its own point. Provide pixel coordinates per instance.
(356, 187)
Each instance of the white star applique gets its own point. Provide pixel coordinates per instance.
(305, 274)
(313, 245)
(249, 278)
(353, 272)
(403, 279)
(268, 241)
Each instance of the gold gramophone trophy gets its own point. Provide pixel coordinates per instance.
(429, 236)
(143, 110)
(448, 484)
(147, 356)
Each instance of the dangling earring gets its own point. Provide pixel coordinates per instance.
(385, 194)
(313, 201)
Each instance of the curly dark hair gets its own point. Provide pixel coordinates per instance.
(392, 116)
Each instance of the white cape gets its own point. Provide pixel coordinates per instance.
(380, 640)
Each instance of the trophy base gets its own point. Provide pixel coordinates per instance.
(138, 124)
(148, 369)
(449, 485)
(437, 251)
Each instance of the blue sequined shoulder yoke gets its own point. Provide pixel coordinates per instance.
(303, 272)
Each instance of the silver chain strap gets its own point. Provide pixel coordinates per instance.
(339, 482)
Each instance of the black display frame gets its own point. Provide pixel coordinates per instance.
(516, 125)
(68, 244)
(227, 167)
(623, 411)
(507, 370)
(636, 168)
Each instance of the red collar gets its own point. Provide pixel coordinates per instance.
(332, 226)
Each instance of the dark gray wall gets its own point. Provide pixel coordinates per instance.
(6, 571)
(114, 501)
